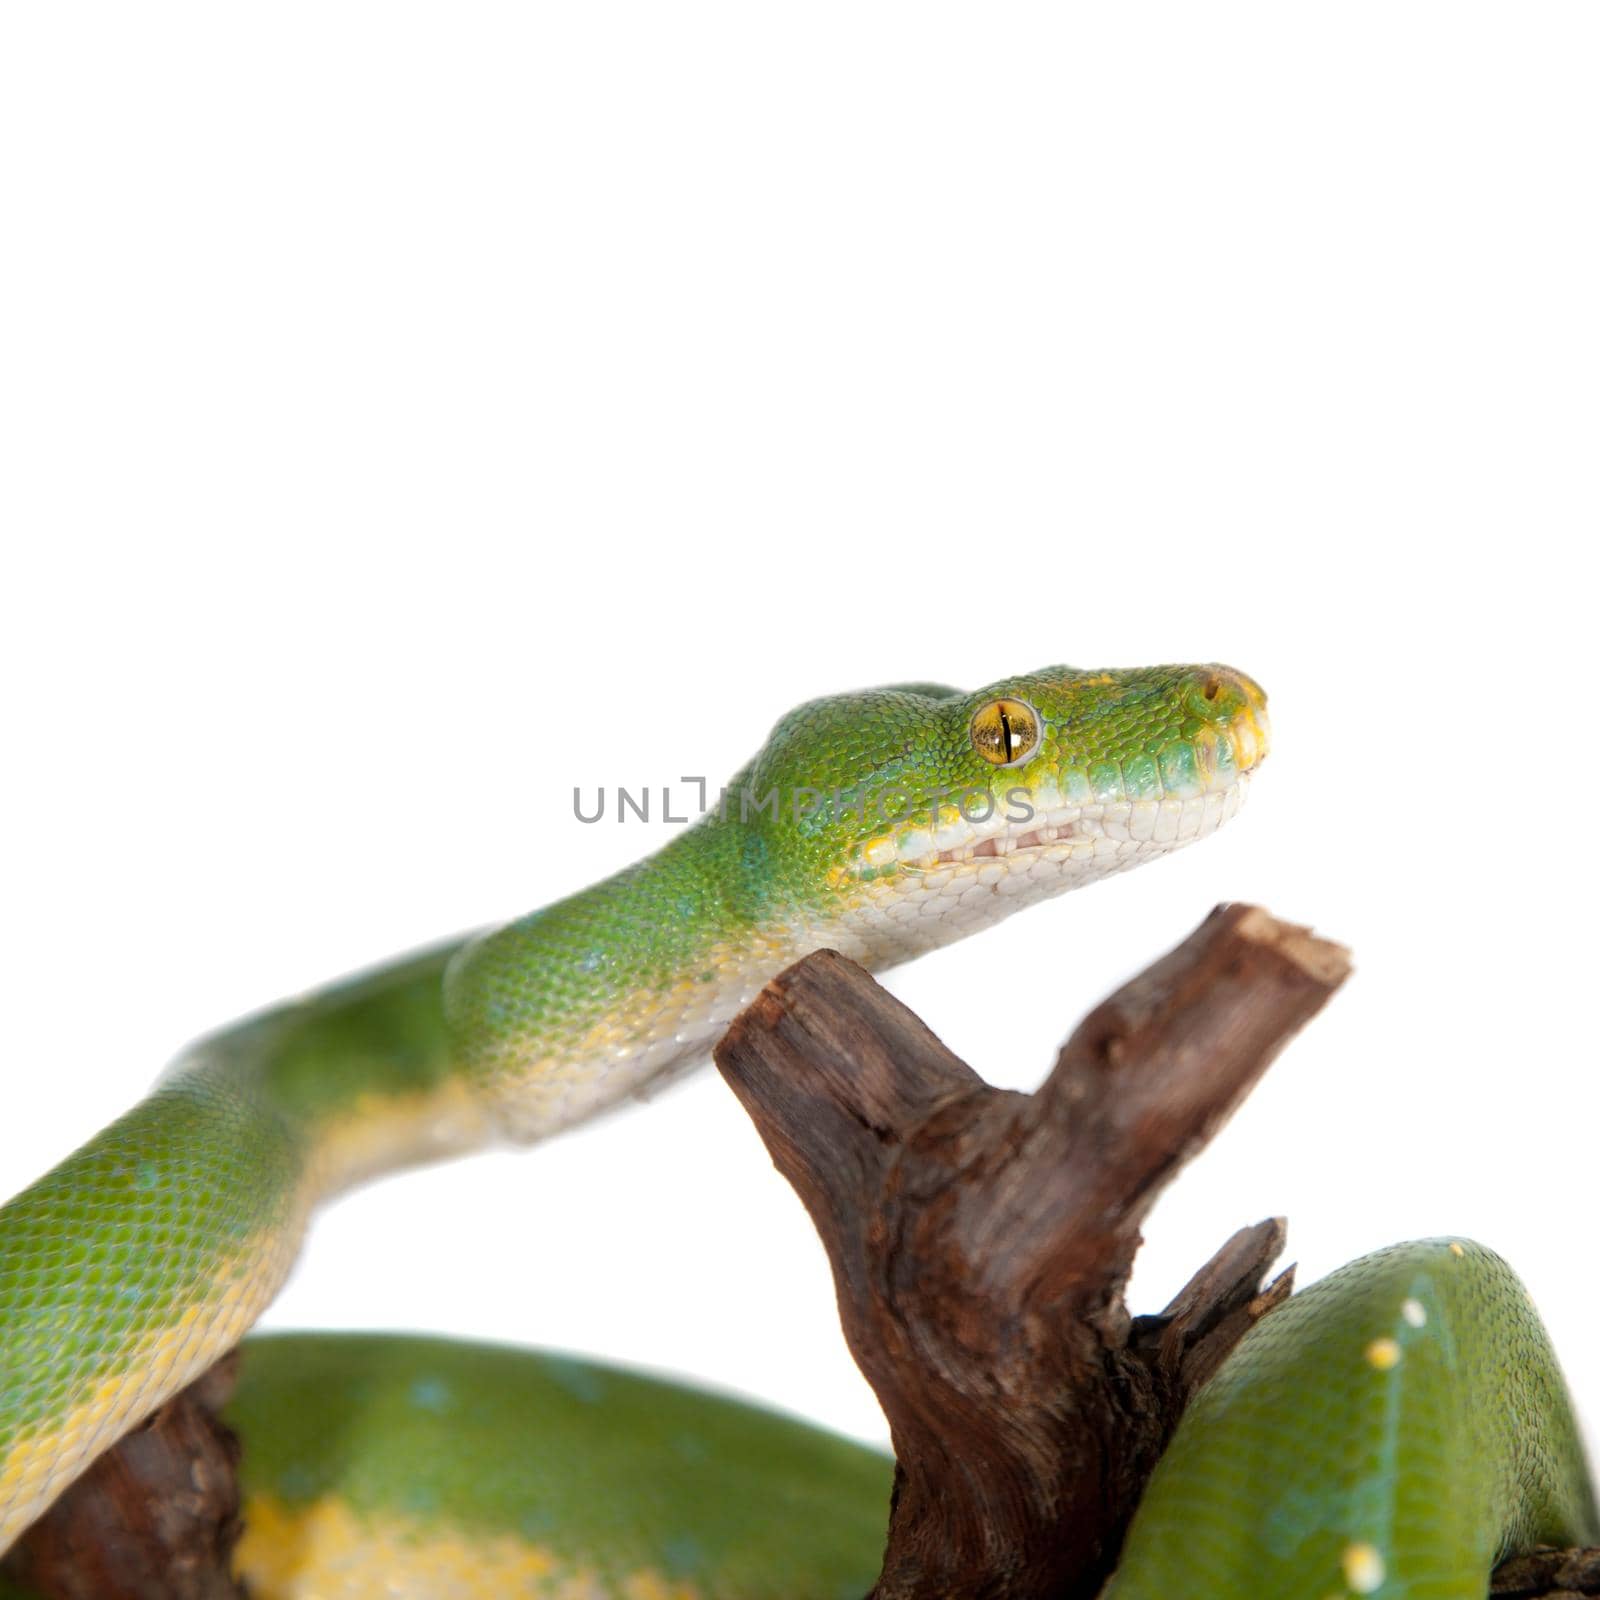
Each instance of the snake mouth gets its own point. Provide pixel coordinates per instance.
(1003, 844)
(1063, 832)
(1009, 844)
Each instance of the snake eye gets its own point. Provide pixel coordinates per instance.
(1005, 731)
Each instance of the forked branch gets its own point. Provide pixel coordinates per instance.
(981, 1239)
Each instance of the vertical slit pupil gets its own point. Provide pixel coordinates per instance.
(1005, 729)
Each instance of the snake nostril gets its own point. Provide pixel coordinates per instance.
(1213, 687)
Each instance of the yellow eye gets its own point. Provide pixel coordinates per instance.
(1005, 731)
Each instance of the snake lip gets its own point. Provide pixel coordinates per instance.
(1157, 823)
(997, 846)
(1005, 844)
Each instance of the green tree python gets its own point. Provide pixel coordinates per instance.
(1389, 1432)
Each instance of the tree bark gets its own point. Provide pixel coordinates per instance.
(155, 1518)
(1548, 1575)
(981, 1239)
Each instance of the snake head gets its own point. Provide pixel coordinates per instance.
(910, 815)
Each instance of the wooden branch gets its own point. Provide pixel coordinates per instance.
(981, 1239)
(1548, 1575)
(155, 1518)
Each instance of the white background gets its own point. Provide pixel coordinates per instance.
(409, 412)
